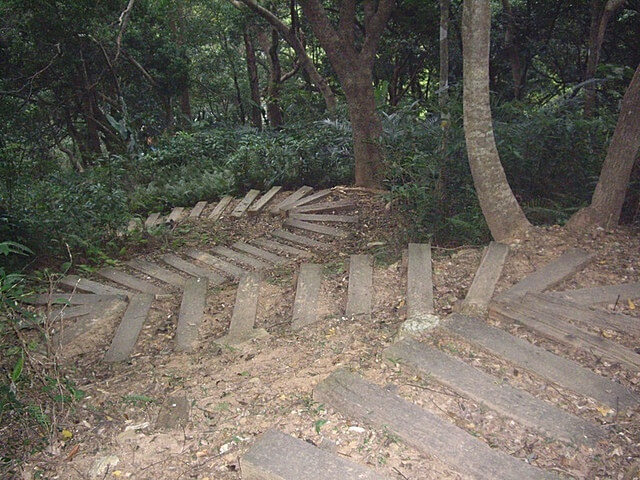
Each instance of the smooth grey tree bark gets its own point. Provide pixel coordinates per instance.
(501, 210)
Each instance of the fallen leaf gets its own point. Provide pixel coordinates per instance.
(73, 452)
(632, 306)
(607, 334)
(604, 411)
(66, 434)
(117, 473)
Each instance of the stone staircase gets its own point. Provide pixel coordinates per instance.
(483, 322)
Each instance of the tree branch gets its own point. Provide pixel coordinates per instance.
(124, 21)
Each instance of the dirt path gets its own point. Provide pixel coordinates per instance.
(235, 394)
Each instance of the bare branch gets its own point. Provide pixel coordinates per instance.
(123, 21)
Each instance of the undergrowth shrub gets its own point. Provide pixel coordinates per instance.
(432, 185)
(36, 394)
(552, 158)
(318, 154)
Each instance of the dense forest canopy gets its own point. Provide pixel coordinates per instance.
(116, 108)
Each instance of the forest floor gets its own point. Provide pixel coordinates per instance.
(235, 394)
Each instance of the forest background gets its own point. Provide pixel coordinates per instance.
(115, 109)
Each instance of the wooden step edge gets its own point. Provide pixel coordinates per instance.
(276, 455)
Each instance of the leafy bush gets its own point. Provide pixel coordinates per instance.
(552, 157)
(318, 154)
(431, 184)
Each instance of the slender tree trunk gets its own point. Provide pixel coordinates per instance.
(236, 83)
(252, 69)
(600, 16)
(512, 47)
(167, 104)
(608, 197)
(269, 43)
(290, 36)
(443, 103)
(177, 27)
(501, 210)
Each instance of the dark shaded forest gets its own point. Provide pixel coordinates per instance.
(112, 110)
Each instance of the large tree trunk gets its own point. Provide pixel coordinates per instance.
(501, 210)
(367, 129)
(353, 63)
(600, 16)
(608, 197)
(252, 69)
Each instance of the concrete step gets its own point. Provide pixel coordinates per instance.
(320, 217)
(242, 207)
(550, 275)
(263, 254)
(290, 200)
(300, 240)
(561, 331)
(360, 286)
(603, 294)
(263, 201)
(419, 282)
(484, 282)
(323, 207)
(312, 227)
(218, 210)
(360, 399)
(193, 269)
(307, 290)
(494, 394)
(156, 271)
(227, 268)
(541, 362)
(240, 258)
(281, 247)
(197, 210)
(278, 456)
(73, 282)
(126, 336)
(191, 314)
(241, 328)
(130, 281)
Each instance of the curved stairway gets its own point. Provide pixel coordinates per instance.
(483, 322)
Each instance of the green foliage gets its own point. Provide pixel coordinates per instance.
(431, 185)
(317, 154)
(552, 157)
(31, 391)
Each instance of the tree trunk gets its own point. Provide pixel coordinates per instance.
(501, 210)
(176, 24)
(307, 64)
(512, 48)
(252, 69)
(353, 63)
(269, 43)
(608, 197)
(600, 17)
(167, 105)
(367, 129)
(443, 92)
